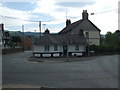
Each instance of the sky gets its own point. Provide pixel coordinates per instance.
(53, 14)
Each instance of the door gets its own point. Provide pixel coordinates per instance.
(65, 48)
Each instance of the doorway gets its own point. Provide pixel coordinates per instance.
(65, 49)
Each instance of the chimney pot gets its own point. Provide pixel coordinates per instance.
(68, 22)
(85, 14)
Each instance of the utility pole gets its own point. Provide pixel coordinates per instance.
(40, 29)
(88, 42)
(23, 35)
(67, 48)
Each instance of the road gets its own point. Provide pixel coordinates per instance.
(101, 72)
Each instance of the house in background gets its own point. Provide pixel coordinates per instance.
(91, 32)
(26, 43)
(53, 45)
(5, 36)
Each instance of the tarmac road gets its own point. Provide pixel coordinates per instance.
(100, 72)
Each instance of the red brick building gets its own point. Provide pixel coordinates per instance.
(26, 43)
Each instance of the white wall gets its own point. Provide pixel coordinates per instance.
(94, 34)
(94, 37)
(71, 48)
(38, 48)
(51, 48)
(41, 48)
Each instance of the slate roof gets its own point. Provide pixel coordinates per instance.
(61, 39)
(74, 25)
(70, 27)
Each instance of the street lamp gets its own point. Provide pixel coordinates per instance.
(92, 13)
(88, 43)
(44, 26)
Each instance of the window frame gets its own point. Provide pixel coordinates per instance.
(55, 47)
(47, 48)
(77, 47)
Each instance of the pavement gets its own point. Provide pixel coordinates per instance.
(97, 72)
(61, 59)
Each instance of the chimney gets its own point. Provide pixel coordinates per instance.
(2, 27)
(68, 22)
(47, 32)
(85, 14)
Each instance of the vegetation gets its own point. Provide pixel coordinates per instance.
(14, 41)
(109, 44)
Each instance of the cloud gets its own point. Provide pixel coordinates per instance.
(53, 12)
(18, 16)
(23, 6)
(58, 11)
(106, 22)
(44, 7)
(74, 4)
(39, 0)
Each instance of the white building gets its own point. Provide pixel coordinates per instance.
(91, 32)
(71, 40)
(60, 45)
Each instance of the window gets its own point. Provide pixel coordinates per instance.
(76, 47)
(55, 48)
(46, 48)
(87, 35)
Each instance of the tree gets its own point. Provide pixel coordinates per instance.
(112, 39)
(11, 44)
(110, 43)
(16, 39)
(109, 39)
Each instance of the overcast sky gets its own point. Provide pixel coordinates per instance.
(52, 13)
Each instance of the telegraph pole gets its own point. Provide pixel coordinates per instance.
(23, 35)
(40, 29)
(67, 48)
(88, 42)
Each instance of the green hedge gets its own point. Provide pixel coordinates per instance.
(104, 48)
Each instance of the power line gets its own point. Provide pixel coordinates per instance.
(17, 18)
(27, 20)
(53, 20)
(105, 11)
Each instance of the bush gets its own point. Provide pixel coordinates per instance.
(104, 49)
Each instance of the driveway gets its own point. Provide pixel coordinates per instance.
(99, 72)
